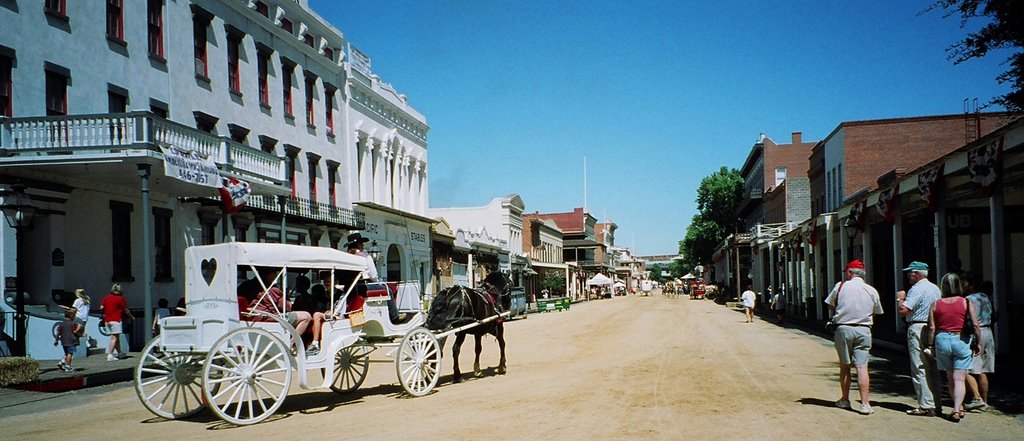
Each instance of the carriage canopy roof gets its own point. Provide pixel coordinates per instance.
(275, 254)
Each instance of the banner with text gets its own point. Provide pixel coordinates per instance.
(190, 167)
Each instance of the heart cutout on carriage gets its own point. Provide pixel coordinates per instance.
(208, 267)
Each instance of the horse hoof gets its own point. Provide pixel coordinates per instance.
(478, 374)
(502, 371)
(457, 379)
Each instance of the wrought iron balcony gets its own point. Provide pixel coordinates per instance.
(311, 210)
(115, 132)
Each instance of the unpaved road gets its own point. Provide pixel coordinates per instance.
(642, 368)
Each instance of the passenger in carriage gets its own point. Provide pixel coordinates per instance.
(272, 301)
(353, 302)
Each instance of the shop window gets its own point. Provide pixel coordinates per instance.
(155, 24)
(162, 245)
(121, 241)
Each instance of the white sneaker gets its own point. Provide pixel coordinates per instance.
(112, 357)
(866, 409)
(976, 405)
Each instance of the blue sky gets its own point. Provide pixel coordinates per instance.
(655, 94)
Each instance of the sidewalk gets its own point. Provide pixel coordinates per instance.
(91, 371)
(890, 367)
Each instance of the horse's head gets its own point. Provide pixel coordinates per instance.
(447, 307)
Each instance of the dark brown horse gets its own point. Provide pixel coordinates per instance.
(459, 306)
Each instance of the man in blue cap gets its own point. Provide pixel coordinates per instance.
(915, 305)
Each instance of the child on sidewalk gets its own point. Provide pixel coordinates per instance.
(68, 334)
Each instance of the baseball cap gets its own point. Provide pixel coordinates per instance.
(855, 264)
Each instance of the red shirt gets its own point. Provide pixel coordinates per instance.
(949, 317)
(113, 307)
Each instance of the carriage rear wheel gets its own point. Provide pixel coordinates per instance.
(167, 383)
(351, 364)
(418, 362)
(247, 375)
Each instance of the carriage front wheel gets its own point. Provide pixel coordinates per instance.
(167, 383)
(247, 375)
(418, 362)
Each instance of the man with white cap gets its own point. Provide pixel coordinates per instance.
(853, 304)
(914, 305)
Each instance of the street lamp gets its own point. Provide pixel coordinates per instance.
(18, 211)
(374, 250)
(850, 228)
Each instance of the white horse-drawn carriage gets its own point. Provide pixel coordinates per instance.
(240, 364)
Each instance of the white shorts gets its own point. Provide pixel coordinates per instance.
(986, 362)
(114, 328)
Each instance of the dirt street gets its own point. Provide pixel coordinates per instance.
(642, 368)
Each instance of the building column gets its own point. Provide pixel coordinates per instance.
(999, 280)
(897, 257)
(830, 246)
(147, 254)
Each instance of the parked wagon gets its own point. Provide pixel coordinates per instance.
(240, 364)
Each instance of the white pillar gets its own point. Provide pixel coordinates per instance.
(897, 257)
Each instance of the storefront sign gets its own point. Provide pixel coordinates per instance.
(417, 237)
(190, 167)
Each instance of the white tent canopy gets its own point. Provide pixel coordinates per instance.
(689, 276)
(620, 284)
(599, 280)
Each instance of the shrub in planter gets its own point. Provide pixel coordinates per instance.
(18, 370)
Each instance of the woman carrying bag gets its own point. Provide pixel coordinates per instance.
(954, 349)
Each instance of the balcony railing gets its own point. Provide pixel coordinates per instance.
(307, 209)
(113, 132)
(771, 231)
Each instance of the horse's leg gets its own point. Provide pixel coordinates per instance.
(499, 333)
(479, 348)
(456, 348)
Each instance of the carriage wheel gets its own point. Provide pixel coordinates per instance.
(167, 382)
(351, 364)
(246, 376)
(418, 362)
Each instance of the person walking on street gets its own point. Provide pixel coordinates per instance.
(915, 305)
(748, 304)
(953, 349)
(985, 363)
(779, 304)
(115, 308)
(853, 304)
(68, 335)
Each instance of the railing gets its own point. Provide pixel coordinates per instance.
(115, 131)
(771, 231)
(305, 208)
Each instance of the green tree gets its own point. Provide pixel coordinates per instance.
(655, 271)
(554, 282)
(1005, 30)
(717, 198)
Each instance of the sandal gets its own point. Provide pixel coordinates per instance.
(957, 416)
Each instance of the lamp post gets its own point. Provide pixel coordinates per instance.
(850, 228)
(18, 211)
(374, 250)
